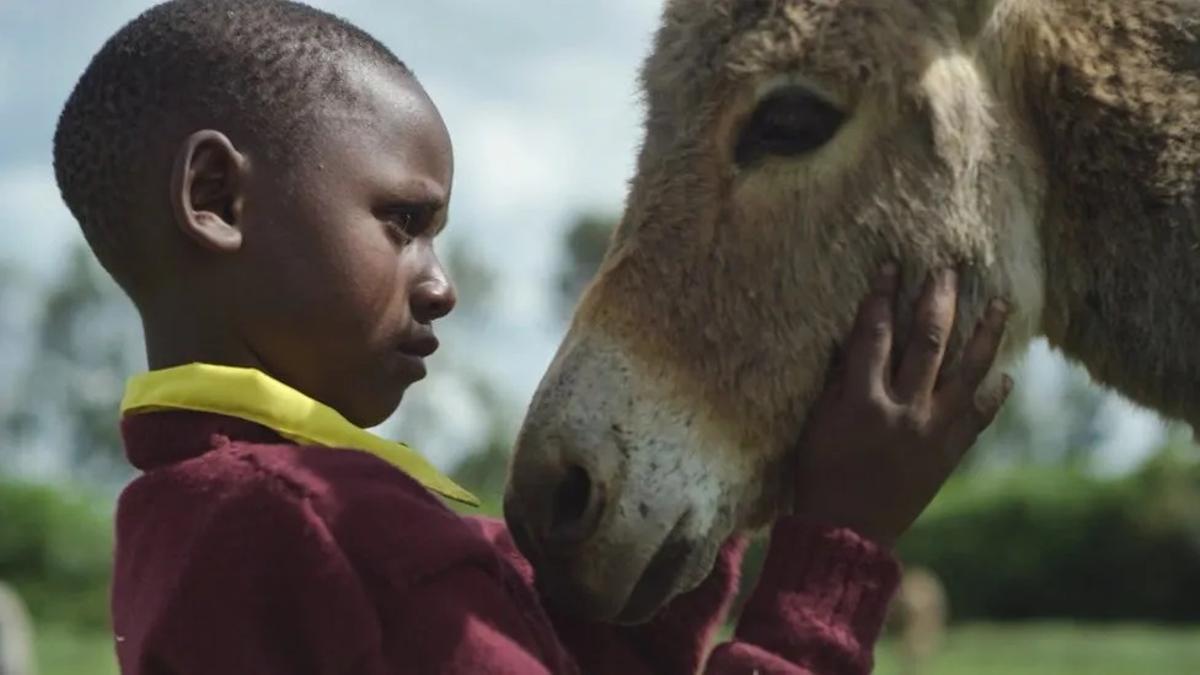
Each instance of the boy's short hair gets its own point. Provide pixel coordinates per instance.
(258, 68)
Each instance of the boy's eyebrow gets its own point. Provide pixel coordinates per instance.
(426, 194)
(419, 192)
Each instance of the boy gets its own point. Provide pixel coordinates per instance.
(266, 181)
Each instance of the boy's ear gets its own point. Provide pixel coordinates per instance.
(207, 189)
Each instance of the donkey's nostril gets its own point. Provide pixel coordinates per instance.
(571, 498)
(575, 510)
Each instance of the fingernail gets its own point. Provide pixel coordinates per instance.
(1007, 385)
(948, 277)
(999, 306)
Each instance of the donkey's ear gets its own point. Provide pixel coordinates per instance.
(973, 15)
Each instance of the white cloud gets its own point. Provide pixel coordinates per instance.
(1129, 433)
(35, 225)
(7, 67)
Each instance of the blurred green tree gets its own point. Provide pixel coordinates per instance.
(485, 470)
(584, 246)
(10, 342)
(87, 344)
(474, 280)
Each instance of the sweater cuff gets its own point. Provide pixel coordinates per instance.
(826, 578)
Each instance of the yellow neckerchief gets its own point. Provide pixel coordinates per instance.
(254, 396)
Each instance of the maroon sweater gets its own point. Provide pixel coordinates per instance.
(241, 553)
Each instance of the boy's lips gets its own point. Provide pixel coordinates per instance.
(420, 345)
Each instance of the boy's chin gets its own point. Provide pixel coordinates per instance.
(377, 392)
(371, 413)
(393, 380)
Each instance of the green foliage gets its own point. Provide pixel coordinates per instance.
(1059, 543)
(87, 337)
(585, 245)
(55, 549)
(485, 474)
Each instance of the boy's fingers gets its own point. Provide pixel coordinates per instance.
(835, 379)
(983, 413)
(930, 333)
(978, 356)
(870, 346)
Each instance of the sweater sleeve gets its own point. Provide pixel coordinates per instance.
(818, 608)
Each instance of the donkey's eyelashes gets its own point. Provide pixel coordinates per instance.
(788, 123)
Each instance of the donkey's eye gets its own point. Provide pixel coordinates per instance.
(788, 123)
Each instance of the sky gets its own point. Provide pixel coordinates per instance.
(542, 104)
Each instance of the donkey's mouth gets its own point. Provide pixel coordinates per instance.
(561, 581)
(661, 579)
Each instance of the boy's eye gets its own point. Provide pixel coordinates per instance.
(406, 222)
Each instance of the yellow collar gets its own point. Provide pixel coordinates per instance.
(254, 396)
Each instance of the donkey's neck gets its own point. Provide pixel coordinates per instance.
(1110, 90)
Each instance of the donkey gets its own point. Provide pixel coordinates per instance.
(917, 619)
(16, 634)
(1049, 149)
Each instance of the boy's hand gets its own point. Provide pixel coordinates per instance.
(879, 445)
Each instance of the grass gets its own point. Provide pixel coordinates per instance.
(977, 649)
(65, 651)
(1059, 649)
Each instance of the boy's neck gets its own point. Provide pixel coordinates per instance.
(178, 336)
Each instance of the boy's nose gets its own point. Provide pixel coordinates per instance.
(433, 299)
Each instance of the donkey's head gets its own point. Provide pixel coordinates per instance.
(791, 148)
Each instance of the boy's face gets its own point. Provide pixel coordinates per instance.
(337, 281)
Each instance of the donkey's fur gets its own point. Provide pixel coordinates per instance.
(1111, 92)
(1050, 148)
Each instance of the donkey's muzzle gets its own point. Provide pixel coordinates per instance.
(556, 510)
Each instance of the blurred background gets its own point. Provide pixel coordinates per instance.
(1070, 543)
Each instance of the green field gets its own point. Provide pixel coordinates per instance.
(981, 649)
(1061, 649)
(62, 651)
